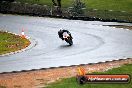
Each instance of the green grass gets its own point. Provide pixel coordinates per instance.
(71, 82)
(10, 42)
(116, 5)
(121, 9)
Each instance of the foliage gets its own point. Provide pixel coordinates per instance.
(78, 8)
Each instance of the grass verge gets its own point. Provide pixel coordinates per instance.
(10, 42)
(112, 10)
(116, 5)
(71, 82)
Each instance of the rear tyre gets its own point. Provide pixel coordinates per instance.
(69, 41)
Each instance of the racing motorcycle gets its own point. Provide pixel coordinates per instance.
(67, 38)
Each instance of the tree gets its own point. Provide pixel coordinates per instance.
(78, 8)
(59, 3)
(56, 4)
(57, 10)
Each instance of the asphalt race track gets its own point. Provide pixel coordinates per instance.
(93, 43)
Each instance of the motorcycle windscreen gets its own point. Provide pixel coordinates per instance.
(65, 35)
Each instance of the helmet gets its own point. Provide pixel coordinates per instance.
(61, 29)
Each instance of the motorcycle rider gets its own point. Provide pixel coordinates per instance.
(61, 31)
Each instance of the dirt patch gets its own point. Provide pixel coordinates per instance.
(121, 26)
(39, 78)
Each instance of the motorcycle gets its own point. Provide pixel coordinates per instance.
(67, 38)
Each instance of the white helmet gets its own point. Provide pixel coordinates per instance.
(61, 29)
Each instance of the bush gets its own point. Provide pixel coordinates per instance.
(77, 9)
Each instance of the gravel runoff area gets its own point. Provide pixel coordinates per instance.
(40, 78)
